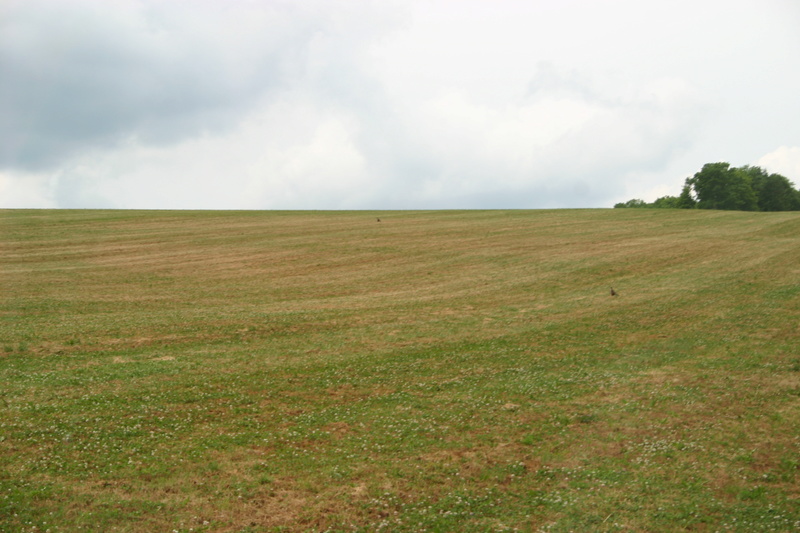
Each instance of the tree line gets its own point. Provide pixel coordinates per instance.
(720, 186)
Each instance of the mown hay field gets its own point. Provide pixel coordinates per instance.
(431, 371)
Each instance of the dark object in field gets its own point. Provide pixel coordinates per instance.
(613, 292)
(379, 220)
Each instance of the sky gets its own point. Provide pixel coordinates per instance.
(413, 104)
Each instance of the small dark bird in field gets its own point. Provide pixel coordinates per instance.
(613, 292)
(379, 220)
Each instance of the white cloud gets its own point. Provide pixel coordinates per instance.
(286, 156)
(785, 160)
(24, 189)
(552, 147)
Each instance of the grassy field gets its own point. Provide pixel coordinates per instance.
(434, 371)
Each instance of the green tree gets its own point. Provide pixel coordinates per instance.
(778, 194)
(631, 203)
(686, 200)
(666, 202)
(718, 186)
(774, 192)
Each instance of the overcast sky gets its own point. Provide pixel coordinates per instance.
(427, 104)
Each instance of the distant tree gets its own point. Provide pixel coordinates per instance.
(631, 203)
(778, 194)
(686, 200)
(666, 202)
(718, 186)
(773, 191)
(741, 195)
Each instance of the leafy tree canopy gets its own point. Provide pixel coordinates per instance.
(774, 192)
(720, 186)
(633, 203)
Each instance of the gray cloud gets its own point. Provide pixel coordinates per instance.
(78, 75)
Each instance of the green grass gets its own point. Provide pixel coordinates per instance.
(438, 371)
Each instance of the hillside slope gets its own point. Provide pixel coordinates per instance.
(449, 370)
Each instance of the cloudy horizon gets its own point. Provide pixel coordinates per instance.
(423, 104)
